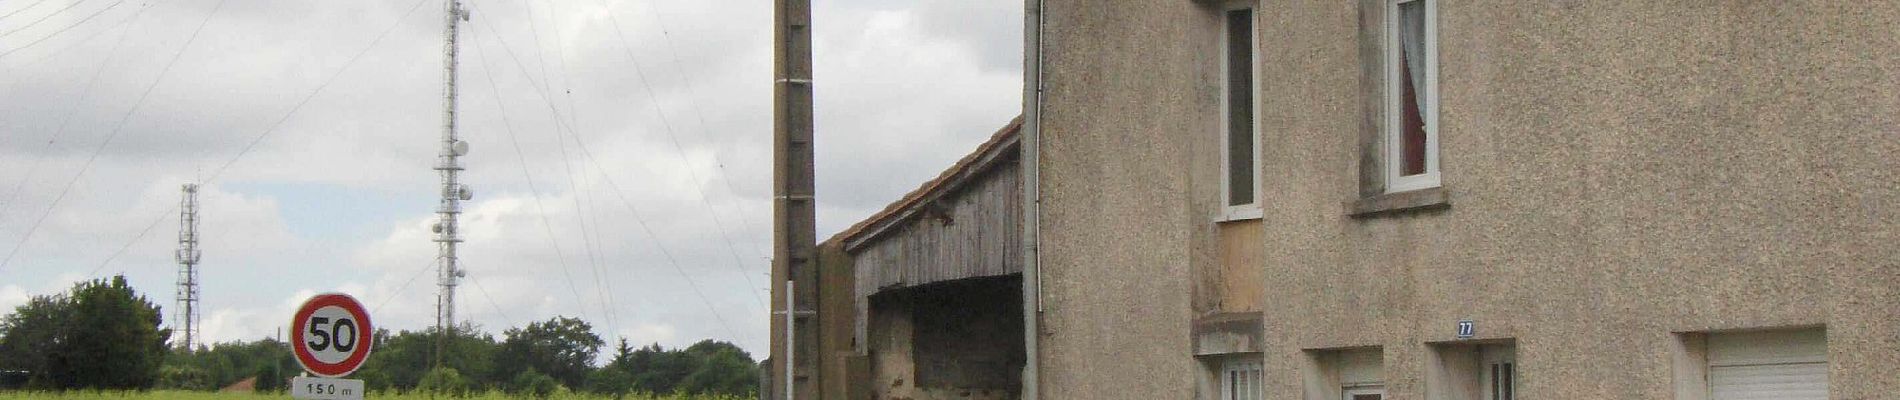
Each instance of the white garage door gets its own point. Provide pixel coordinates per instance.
(1780, 365)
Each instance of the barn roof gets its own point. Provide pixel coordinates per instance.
(1000, 145)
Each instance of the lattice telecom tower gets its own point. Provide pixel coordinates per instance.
(187, 257)
(447, 233)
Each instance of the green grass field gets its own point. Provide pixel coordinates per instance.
(184, 395)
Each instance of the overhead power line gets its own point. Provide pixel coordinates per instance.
(273, 127)
(686, 164)
(405, 286)
(588, 154)
(49, 15)
(63, 123)
(533, 192)
(491, 300)
(162, 73)
(18, 10)
(18, 78)
(692, 95)
(88, 17)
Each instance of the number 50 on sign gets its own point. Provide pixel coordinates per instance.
(331, 335)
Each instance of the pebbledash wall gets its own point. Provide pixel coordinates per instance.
(1627, 189)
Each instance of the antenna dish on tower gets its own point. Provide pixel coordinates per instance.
(459, 148)
(466, 193)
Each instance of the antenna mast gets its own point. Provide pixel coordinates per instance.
(187, 257)
(446, 229)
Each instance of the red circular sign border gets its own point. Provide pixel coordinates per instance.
(365, 334)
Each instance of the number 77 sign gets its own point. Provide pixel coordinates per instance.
(331, 335)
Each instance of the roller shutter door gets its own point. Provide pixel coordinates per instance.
(1778, 365)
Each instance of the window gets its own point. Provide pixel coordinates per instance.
(1500, 372)
(1240, 380)
(1365, 393)
(1239, 137)
(1357, 373)
(1473, 371)
(1779, 364)
(1411, 70)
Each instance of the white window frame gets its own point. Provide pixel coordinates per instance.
(1364, 390)
(1250, 367)
(1428, 104)
(1492, 357)
(1250, 210)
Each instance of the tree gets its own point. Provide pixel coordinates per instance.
(722, 369)
(401, 359)
(533, 383)
(616, 378)
(101, 335)
(226, 363)
(657, 370)
(270, 378)
(444, 381)
(708, 367)
(184, 378)
(31, 334)
(609, 381)
(563, 348)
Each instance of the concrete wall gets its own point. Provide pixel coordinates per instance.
(1122, 86)
(1617, 172)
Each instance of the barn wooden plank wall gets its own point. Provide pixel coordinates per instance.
(972, 231)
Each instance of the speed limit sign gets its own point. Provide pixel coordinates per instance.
(331, 335)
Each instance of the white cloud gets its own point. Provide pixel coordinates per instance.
(11, 297)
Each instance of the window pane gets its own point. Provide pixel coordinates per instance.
(1233, 384)
(1508, 377)
(1411, 140)
(1240, 138)
(1496, 387)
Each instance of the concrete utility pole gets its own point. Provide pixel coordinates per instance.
(794, 240)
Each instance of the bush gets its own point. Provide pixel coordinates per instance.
(443, 381)
(535, 384)
(270, 379)
(186, 378)
(610, 381)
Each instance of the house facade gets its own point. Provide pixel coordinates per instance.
(1448, 199)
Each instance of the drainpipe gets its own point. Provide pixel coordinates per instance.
(1031, 147)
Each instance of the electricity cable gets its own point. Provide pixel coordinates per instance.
(686, 164)
(273, 128)
(548, 84)
(18, 10)
(69, 46)
(692, 94)
(88, 17)
(491, 300)
(405, 286)
(533, 192)
(162, 73)
(49, 15)
(63, 123)
(602, 286)
(648, 229)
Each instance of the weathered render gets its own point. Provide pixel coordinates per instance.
(1618, 178)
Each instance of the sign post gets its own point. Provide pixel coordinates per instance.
(331, 336)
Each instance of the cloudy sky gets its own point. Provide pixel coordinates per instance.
(620, 149)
